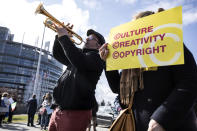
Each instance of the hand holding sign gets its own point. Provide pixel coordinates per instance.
(155, 40)
(104, 51)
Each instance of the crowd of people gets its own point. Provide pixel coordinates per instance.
(44, 111)
(166, 104)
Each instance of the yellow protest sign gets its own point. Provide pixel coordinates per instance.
(155, 40)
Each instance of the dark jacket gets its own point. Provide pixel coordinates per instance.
(31, 106)
(76, 87)
(168, 96)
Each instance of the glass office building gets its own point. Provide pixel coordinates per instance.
(18, 65)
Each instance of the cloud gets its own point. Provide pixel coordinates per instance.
(189, 11)
(126, 1)
(190, 16)
(19, 17)
(153, 6)
(93, 4)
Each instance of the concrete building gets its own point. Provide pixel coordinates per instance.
(18, 64)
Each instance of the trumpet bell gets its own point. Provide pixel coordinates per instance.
(39, 9)
(51, 21)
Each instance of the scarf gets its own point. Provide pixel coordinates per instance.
(131, 81)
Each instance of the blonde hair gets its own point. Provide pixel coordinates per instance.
(147, 13)
(48, 96)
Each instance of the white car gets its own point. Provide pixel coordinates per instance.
(105, 115)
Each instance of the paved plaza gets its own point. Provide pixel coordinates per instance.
(24, 127)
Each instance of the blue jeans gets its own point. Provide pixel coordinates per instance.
(44, 121)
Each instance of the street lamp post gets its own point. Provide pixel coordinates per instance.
(38, 69)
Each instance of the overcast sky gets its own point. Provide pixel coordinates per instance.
(101, 15)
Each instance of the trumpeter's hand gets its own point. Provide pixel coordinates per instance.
(61, 31)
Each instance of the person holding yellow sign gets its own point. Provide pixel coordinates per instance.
(164, 95)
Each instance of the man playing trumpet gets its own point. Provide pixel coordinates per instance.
(75, 91)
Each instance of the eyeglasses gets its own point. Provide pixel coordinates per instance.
(92, 38)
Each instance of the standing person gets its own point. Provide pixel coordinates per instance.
(39, 115)
(45, 116)
(165, 96)
(75, 92)
(1, 110)
(5, 103)
(9, 120)
(31, 110)
(12, 108)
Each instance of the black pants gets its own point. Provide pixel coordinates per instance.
(39, 118)
(30, 119)
(1, 118)
(10, 116)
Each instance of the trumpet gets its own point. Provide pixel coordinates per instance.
(51, 21)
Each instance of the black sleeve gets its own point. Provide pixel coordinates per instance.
(82, 61)
(36, 104)
(113, 78)
(183, 96)
(58, 53)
